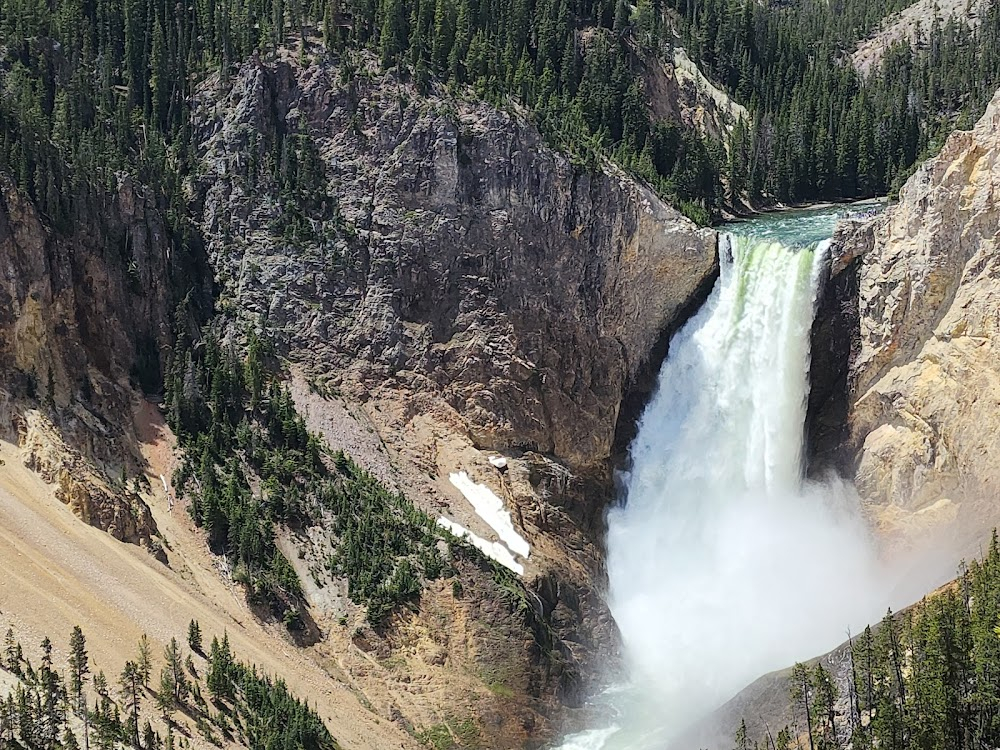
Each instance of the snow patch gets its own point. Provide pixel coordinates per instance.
(494, 550)
(490, 509)
(498, 462)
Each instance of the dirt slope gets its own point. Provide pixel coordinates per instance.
(60, 572)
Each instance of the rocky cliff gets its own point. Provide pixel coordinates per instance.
(449, 289)
(83, 320)
(913, 26)
(920, 364)
(476, 263)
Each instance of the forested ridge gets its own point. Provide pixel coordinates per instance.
(818, 129)
(92, 87)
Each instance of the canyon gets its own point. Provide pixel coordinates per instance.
(464, 307)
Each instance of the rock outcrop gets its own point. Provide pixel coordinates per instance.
(462, 290)
(912, 26)
(923, 387)
(679, 92)
(478, 264)
(83, 318)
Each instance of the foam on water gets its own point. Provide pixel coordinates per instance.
(723, 562)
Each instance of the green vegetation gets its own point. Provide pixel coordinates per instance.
(93, 87)
(925, 679)
(387, 547)
(263, 712)
(250, 464)
(231, 418)
(454, 733)
(437, 737)
(44, 712)
(577, 66)
(819, 130)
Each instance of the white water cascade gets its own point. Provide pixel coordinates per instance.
(724, 563)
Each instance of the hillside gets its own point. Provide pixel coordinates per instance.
(819, 130)
(921, 375)
(914, 26)
(62, 573)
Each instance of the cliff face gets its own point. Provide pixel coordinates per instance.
(477, 264)
(458, 290)
(83, 319)
(923, 384)
(679, 92)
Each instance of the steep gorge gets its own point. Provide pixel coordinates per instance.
(903, 388)
(451, 296)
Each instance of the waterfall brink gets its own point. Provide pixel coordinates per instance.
(723, 562)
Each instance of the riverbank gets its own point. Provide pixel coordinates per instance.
(795, 208)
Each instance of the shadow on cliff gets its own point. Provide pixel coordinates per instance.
(643, 386)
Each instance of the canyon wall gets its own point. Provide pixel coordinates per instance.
(84, 325)
(919, 284)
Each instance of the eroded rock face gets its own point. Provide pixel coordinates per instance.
(924, 384)
(80, 316)
(679, 92)
(485, 269)
(473, 293)
(117, 510)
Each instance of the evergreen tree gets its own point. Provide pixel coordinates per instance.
(144, 661)
(130, 683)
(194, 637)
(79, 669)
(800, 696)
(173, 681)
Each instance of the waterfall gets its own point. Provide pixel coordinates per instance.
(723, 562)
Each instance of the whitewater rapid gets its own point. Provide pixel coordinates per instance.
(723, 562)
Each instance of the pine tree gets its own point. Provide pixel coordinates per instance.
(173, 676)
(11, 653)
(194, 637)
(51, 692)
(826, 706)
(799, 693)
(79, 668)
(130, 683)
(165, 700)
(220, 666)
(144, 662)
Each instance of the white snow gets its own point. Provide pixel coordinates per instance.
(490, 509)
(495, 550)
(498, 461)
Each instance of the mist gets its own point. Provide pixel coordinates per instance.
(724, 564)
